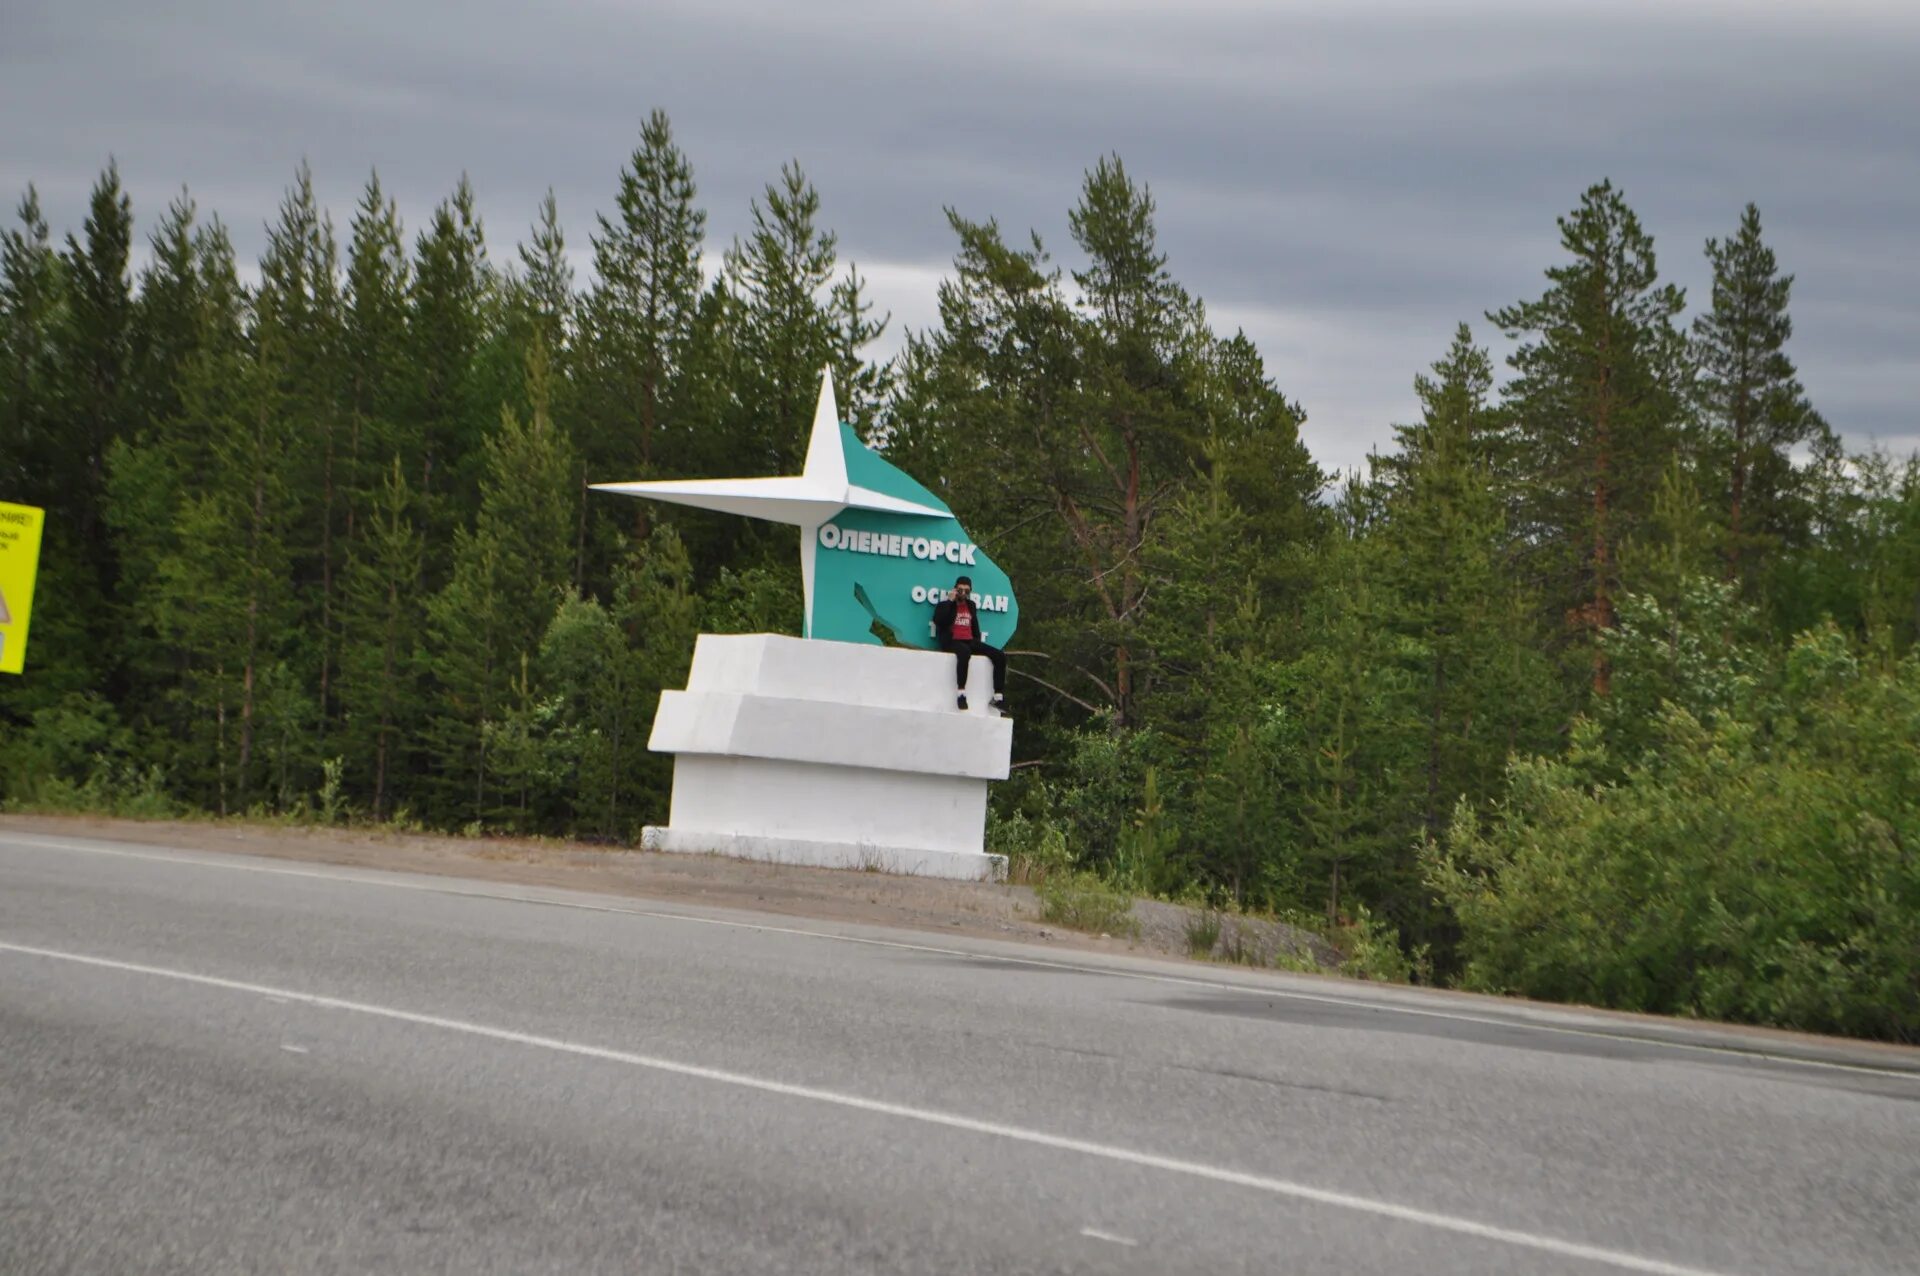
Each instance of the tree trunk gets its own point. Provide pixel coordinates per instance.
(1600, 614)
(327, 653)
(252, 644)
(1433, 746)
(1736, 511)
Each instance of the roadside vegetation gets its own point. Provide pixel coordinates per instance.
(1598, 683)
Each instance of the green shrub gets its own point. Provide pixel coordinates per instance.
(76, 757)
(1370, 949)
(1035, 847)
(1761, 868)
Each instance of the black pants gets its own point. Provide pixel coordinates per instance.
(965, 649)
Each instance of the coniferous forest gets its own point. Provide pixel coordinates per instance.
(1601, 685)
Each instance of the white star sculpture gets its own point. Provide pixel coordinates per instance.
(819, 493)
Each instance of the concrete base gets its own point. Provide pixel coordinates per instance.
(839, 755)
(966, 866)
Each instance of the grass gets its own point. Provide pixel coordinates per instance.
(1081, 901)
(1203, 932)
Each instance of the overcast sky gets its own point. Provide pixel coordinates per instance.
(1345, 181)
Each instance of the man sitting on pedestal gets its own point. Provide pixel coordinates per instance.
(956, 623)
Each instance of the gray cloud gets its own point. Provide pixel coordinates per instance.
(1346, 182)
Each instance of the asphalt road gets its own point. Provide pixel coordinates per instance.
(217, 1064)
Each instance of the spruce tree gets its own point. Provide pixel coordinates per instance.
(1352, 739)
(1468, 636)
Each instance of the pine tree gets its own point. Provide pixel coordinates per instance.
(449, 323)
(35, 463)
(165, 321)
(381, 624)
(656, 605)
(29, 313)
(638, 325)
(378, 375)
(223, 597)
(190, 313)
(1752, 401)
(859, 387)
(545, 289)
(90, 407)
(299, 323)
(97, 346)
(31, 304)
(639, 314)
(606, 667)
(507, 574)
(779, 278)
(1075, 425)
(1598, 404)
(1135, 444)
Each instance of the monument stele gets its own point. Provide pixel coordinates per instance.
(841, 748)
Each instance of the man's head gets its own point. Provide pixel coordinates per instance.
(963, 587)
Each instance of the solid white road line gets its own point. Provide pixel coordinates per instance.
(393, 881)
(928, 1116)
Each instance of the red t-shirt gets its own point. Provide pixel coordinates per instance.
(963, 622)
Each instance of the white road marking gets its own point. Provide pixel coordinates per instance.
(1099, 1235)
(290, 1048)
(928, 1116)
(1748, 1053)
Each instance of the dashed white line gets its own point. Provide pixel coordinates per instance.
(1099, 1235)
(290, 1048)
(927, 1116)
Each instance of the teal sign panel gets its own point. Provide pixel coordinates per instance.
(877, 575)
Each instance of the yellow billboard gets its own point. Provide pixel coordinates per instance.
(19, 560)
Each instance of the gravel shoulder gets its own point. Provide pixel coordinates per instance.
(984, 910)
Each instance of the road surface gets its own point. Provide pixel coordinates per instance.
(211, 1063)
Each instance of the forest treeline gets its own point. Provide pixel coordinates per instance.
(1599, 685)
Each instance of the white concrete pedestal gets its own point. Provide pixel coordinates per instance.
(835, 754)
